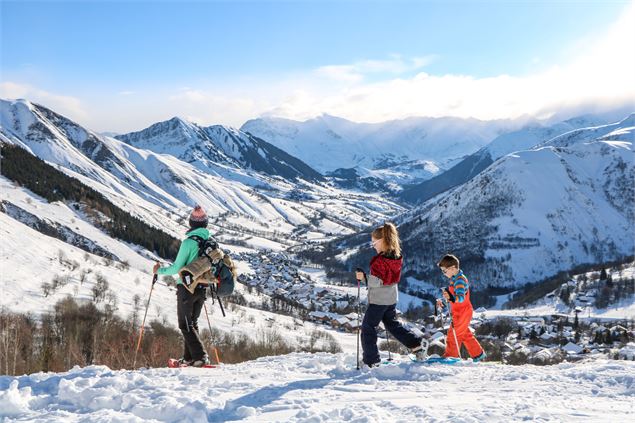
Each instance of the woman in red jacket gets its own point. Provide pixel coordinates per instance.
(385, 272)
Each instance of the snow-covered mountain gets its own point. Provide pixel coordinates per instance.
(533, 213)
(150, 184)
(470, 166)
(218, 145)
(407, 150)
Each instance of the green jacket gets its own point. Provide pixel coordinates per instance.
(188, 252)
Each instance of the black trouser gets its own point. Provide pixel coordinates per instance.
(388, 315)
(188, 307)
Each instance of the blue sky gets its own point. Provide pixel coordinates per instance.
(226, 62)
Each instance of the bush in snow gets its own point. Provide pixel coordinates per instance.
(16, 334)
(100, 288)
(46, 289)
(322, 341)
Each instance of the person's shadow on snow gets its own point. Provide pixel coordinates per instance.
(247, 405)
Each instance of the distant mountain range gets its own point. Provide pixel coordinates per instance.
(535, 201)
(475, 163)
(400, 151)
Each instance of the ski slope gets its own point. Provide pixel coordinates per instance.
(322, 387)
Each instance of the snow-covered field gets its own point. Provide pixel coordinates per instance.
(326, 388)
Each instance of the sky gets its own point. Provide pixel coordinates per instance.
(122, 65)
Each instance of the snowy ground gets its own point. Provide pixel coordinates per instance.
(327, 388)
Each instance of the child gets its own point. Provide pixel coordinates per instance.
(385, 271)
(458, 295)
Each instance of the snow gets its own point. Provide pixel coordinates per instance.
(324, 388)
(327, 143)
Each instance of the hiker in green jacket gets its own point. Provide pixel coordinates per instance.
(189, 305)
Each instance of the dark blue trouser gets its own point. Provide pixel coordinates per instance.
(188, 307)
(388, 315)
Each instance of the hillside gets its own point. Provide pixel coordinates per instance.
(528, 216)
(470, 166)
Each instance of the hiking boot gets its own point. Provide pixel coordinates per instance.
(371, 365)
(201, 362)
(183, 362)
(421, 352)
(482, 356)
(421, 355)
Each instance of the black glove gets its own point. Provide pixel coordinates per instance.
(452, 297)
(360, 270)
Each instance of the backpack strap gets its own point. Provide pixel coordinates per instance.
(199, 240)
(201, 245)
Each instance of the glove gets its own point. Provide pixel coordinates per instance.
(450, 297)
(360, 275)
(217, 255)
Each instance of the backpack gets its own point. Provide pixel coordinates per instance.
(221, 275)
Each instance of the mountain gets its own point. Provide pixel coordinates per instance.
(534, 213)
(475, 163)
(399, 147)
(218, 145)
(160, 189)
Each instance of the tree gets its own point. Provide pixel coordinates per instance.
(576, 322)
(602, 300)
(100, 288)
(564, 295)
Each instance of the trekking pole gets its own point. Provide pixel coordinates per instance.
(154, 280)
(359, 312)
(209, 325)
(220, 303)
(436, 306)
(458, 348)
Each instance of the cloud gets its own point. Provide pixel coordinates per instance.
(601, 74)
(67, 105)
(207, 107)
(357, 71)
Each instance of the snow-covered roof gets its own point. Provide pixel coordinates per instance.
(572, 348)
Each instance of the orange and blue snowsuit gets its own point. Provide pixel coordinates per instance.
(461, 310)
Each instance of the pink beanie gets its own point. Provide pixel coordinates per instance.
(198, 215)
